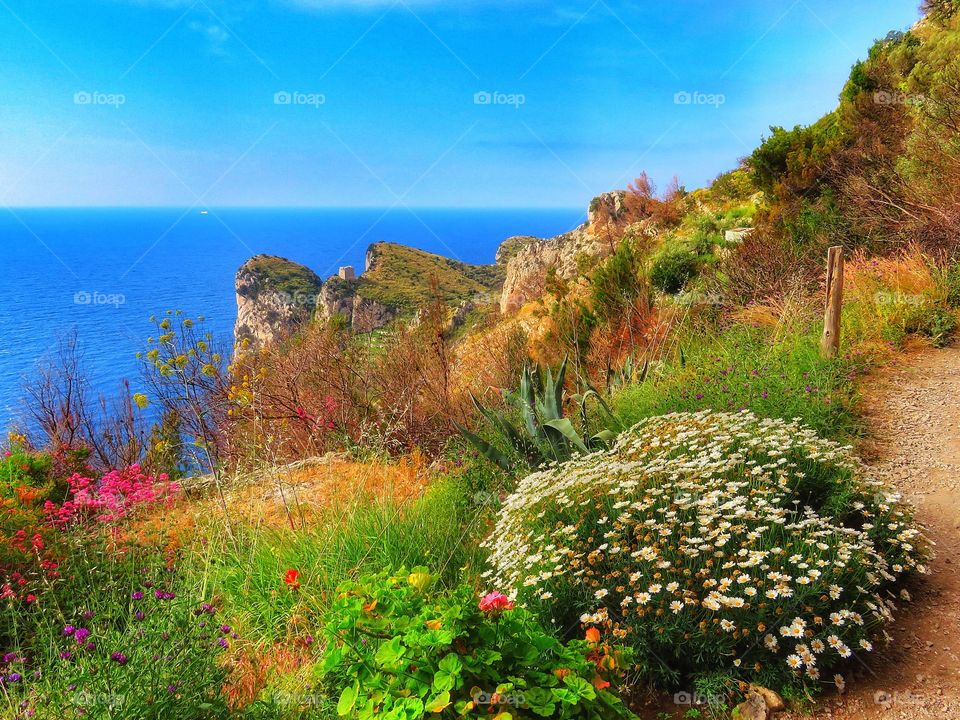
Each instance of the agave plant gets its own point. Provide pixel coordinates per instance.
(544, 434)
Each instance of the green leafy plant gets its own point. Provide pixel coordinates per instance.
(674, 269)
(545, 433)
(398, 649)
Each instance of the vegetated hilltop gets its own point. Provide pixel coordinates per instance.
(275, 295)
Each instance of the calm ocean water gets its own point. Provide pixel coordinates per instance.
(104, 272)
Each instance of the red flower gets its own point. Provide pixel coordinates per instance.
(292, 579)
(495, 602)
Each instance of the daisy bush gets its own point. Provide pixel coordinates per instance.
(713, 542)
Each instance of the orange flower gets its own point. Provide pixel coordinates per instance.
(593, 636)
(600, 684)
(292, 579)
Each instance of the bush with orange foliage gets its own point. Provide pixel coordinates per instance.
(327, 389)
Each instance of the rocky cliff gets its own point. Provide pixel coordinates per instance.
(528, 260)
(274, 297)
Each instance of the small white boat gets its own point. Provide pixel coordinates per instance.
(204, 212)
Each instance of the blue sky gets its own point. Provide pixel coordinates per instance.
(381, 102)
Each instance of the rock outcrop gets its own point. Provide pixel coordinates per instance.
(528, 260)
(275, 296)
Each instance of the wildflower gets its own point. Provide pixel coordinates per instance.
(223, 642)
(495, 602)
(676, 606)
(292, 579)
(136, 595)
(119, 658)
(68, 629)
(81, 635)
(727, 626)
(593, 636)
(794, 662)
(840, 683)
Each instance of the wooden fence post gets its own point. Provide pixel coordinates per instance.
(830, 343)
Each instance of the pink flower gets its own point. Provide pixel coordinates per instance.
(495, 602)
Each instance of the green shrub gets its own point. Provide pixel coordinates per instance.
(673, 270)
(713, 542)
(936, 323)
(398, 648)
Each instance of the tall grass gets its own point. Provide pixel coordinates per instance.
(441, 530)
(743, 369)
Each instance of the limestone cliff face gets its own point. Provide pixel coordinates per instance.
(275, 296)
(528, 259)
(341, 298)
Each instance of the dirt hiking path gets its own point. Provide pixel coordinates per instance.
(913, 410)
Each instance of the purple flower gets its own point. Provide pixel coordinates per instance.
(699, 396)
(225, 629)
(119, 658)
(66, 655)
(68, 629)
(81, 635)
(88, 614)
(14, 677)
(222, 642)
(171, 689)
(764, 394)
(10, 658)
(139, 615)
(163, 595)
(137, 595)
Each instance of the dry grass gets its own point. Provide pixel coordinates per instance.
(296, 496)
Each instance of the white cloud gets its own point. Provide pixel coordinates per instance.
(215, 34)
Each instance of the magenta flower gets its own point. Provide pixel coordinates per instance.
(81, 635)
(137, 595)
(68, 629)
(119, 658)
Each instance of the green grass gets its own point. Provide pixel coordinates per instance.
(739, 369)
(286, 276)
(440, 531)
(401, 276)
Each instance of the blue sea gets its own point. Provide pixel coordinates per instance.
(104, 272)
